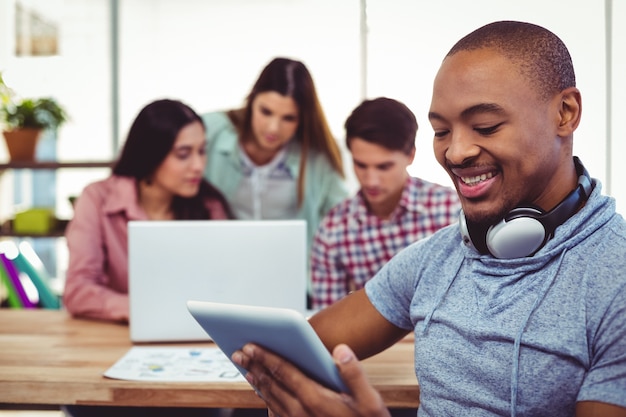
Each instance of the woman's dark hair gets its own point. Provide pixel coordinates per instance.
(150, 139)
(291, 78)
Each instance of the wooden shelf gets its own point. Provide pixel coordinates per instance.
(6, 230)
(55, 164)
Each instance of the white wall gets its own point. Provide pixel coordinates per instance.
(210, 52)
(618, 106)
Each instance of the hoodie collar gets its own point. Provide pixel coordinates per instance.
(596, 212)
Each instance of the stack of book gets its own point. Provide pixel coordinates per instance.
(25, 278)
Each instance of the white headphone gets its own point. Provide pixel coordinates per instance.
(525, 230)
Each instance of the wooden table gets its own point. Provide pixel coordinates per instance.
(49, 358)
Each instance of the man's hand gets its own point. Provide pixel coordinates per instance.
(289, 393)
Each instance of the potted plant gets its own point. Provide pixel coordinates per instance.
(24, 119)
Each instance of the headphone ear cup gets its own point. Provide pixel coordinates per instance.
(465, 234)
(473, 235)
(518, 235)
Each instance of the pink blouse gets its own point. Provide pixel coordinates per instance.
(96, 283)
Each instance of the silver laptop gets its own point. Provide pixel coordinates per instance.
(260, 263)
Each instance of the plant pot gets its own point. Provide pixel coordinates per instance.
(22, 143)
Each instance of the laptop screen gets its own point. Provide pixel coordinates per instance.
(255, 262)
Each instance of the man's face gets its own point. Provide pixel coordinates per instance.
(494, 135)
(381, 173)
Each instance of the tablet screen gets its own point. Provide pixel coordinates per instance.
(285, 332)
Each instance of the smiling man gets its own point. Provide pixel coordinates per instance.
(390, 211)
(521, 311)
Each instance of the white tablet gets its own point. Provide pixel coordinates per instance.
(285, 332)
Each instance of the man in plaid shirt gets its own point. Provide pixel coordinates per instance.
(389, 212)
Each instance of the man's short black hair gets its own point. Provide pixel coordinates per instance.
(543, 58)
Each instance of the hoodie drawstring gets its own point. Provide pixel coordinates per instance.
(518, 337)
(441, 297)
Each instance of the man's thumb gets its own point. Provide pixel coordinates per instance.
(350, 369)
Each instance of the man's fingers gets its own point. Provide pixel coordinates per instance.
(289, 392)
(271, 375)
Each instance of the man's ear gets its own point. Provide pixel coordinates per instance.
(570, 110)
(411, 155)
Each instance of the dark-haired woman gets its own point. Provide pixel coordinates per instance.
(158, 176)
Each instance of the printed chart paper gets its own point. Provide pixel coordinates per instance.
(175, 364)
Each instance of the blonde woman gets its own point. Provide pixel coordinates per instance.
(276, 158)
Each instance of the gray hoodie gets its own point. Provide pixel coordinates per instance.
(520, 337)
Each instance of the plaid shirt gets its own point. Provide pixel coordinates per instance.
(352, 244)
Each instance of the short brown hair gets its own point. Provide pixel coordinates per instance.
(385, 122)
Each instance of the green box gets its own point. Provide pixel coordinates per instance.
(35, 221)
